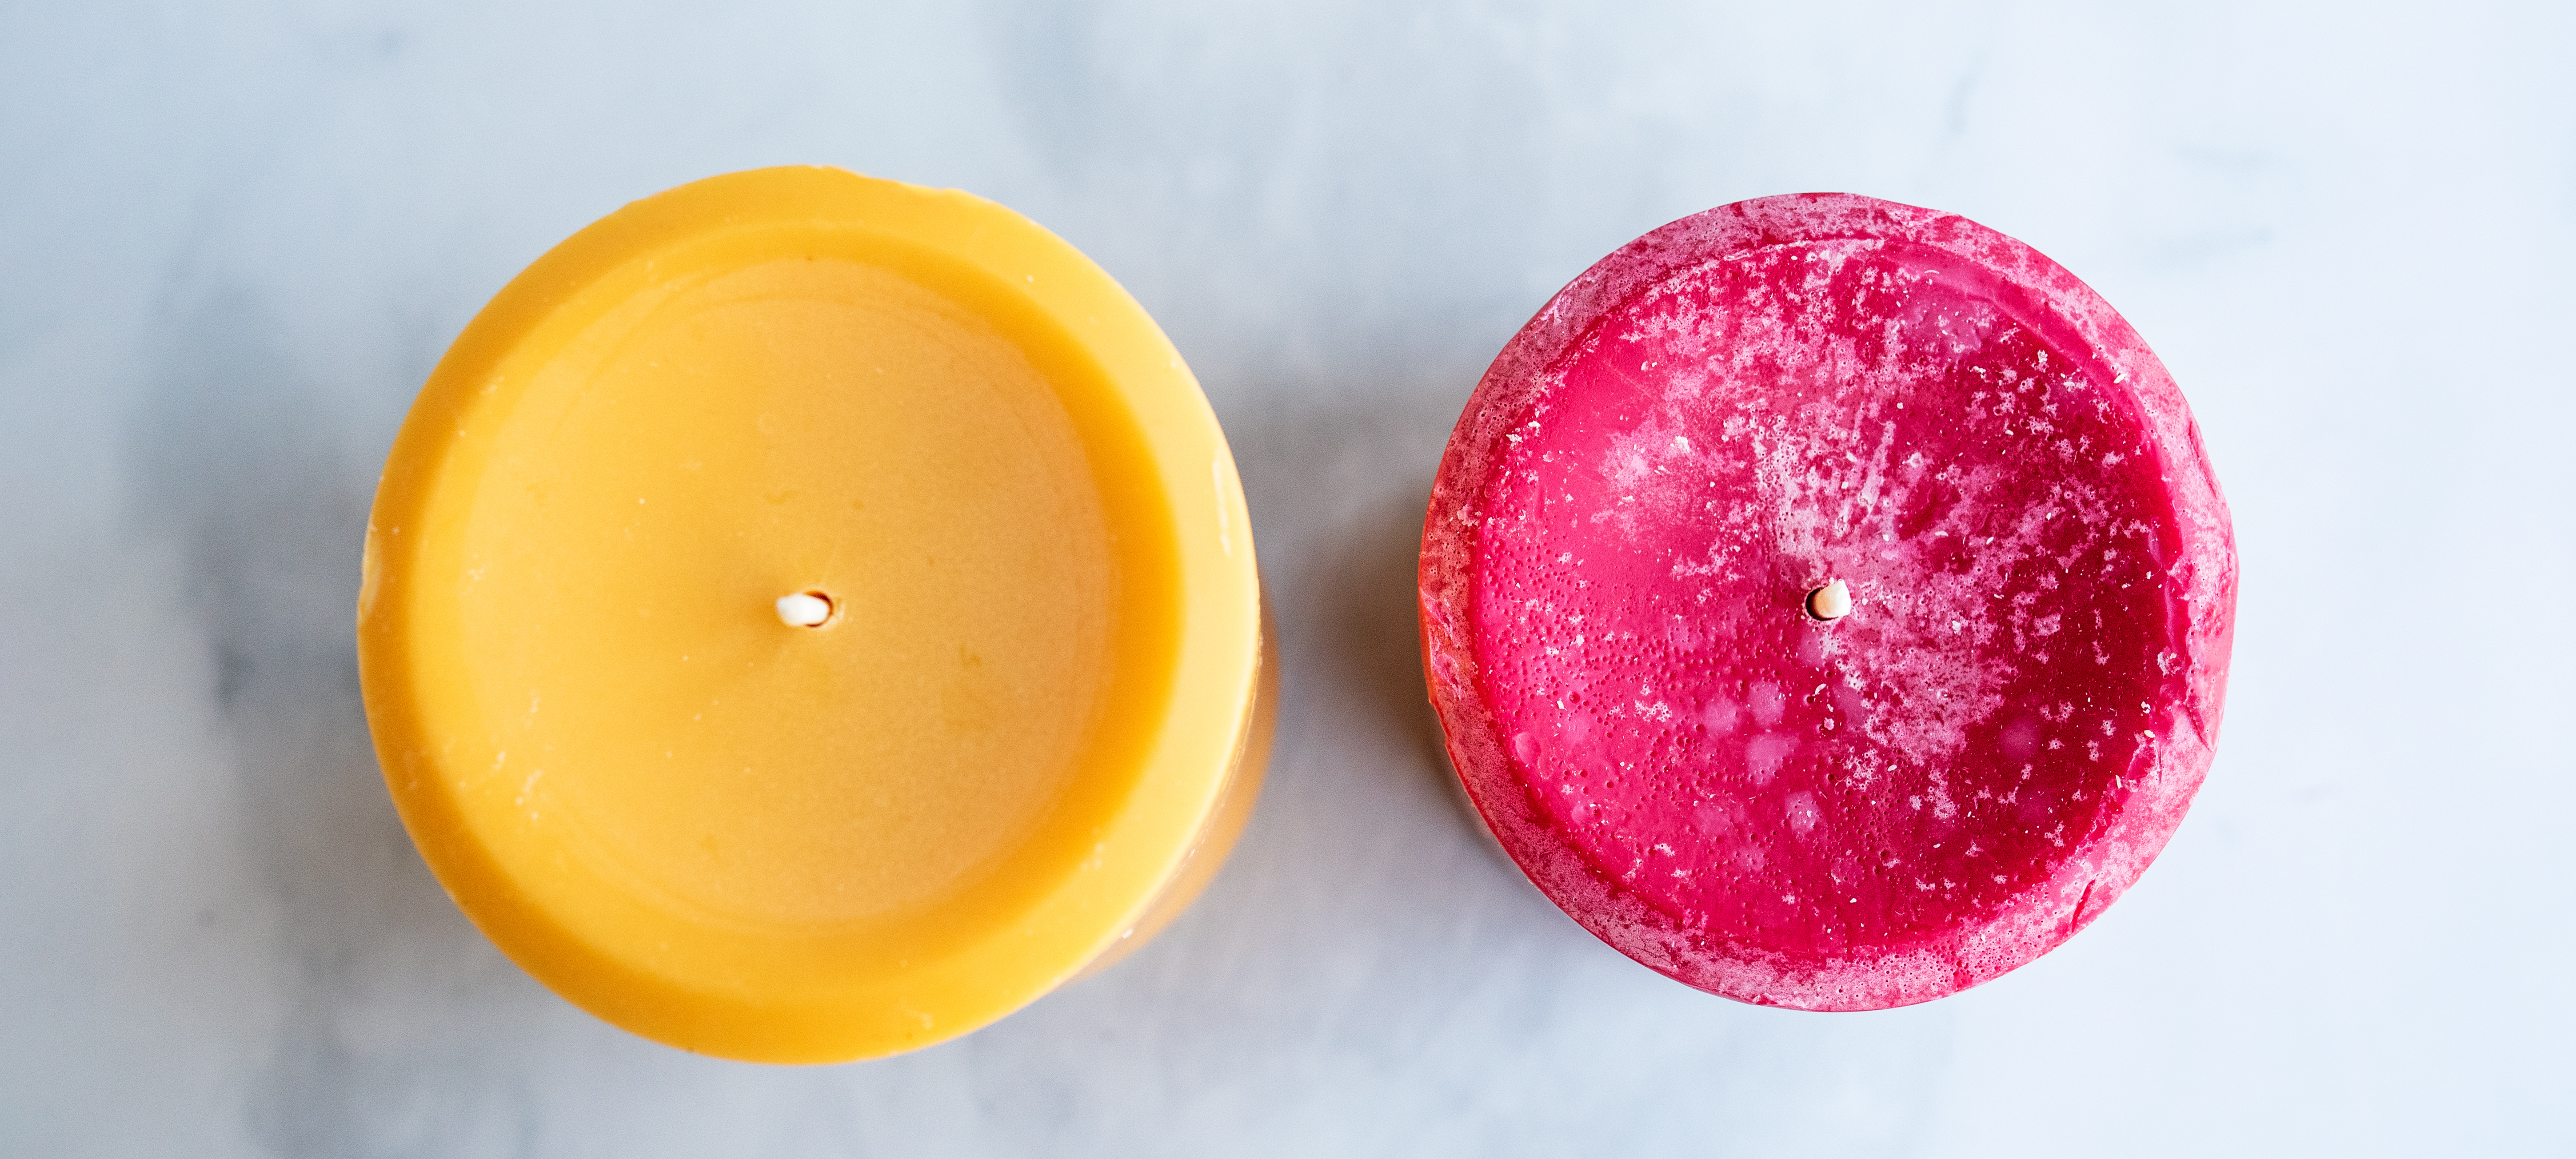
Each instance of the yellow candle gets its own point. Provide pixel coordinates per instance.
(808, 617)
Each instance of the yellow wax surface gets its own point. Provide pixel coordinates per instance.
(1029, 727)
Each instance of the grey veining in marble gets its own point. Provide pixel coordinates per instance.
(236, 235)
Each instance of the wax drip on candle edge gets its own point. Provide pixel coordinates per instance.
(806, 610)
(1829, 603)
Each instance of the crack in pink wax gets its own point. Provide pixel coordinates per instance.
(1934, 788)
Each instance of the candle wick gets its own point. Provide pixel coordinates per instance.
(806, 610)
(1831, 602)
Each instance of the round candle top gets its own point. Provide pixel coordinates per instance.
(807, 617)
(1828, 602)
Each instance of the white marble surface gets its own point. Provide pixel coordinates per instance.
(236, 235)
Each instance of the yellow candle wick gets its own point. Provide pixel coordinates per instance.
(805, 610)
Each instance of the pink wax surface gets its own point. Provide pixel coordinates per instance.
(1728, 413)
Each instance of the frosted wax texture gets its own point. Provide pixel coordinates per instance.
(1925, 793)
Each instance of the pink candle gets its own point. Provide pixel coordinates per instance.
(1633, 581)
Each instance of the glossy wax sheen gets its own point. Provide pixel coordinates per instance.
(809, 843)
(1915, 797)
(811, 423)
